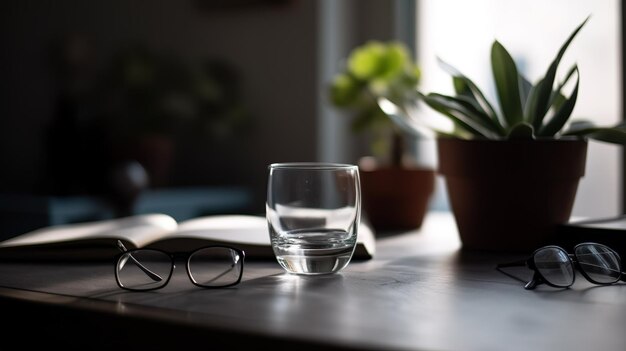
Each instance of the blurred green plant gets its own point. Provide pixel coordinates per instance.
(526, 111)
(376, 70)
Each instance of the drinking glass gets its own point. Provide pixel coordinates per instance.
(313, 211)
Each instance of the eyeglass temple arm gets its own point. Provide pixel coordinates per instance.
(232, 265)
(511, 264)
(149, 273)
(532, 284)
(520, 263)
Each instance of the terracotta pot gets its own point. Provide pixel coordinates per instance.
(511, 195)
(396, 198)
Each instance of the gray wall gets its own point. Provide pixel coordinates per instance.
(273, 45)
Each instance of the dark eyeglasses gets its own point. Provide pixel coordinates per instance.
(552, 265)
(208, 267)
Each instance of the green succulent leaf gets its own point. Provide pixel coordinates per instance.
(506, 77)
(609, 135)
(579, 126)
(544, 90)
(522, 130)
(557, 98)
(531, 103)
(615, 134)
(528, 110)
(560, 117)
(467, 107)
(462, 90)
(466, 87)
(442, 105)
(525, 87)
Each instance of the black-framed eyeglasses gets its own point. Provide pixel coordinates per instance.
(552, 265)
(213, 266)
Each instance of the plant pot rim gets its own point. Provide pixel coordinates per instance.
(565, 139)
(523, 160)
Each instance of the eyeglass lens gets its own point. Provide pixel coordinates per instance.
(555, 266)
(215, 266)
(599, 263)
(143, 269)
(147, 269)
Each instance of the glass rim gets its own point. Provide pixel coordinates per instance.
(312, 165)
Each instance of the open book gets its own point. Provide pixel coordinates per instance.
(97, 240)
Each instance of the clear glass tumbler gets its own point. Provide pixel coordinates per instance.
(313, 211)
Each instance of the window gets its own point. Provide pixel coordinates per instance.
(461, 32)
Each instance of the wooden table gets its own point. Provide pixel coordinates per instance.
(420, 292)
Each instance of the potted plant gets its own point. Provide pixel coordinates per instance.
(395, 190)
(512, 172)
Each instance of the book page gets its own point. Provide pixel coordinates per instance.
(248, 230)
(157, 231)
(136, 229)
(244, 229)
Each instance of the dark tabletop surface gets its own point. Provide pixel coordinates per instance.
(419, 292)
